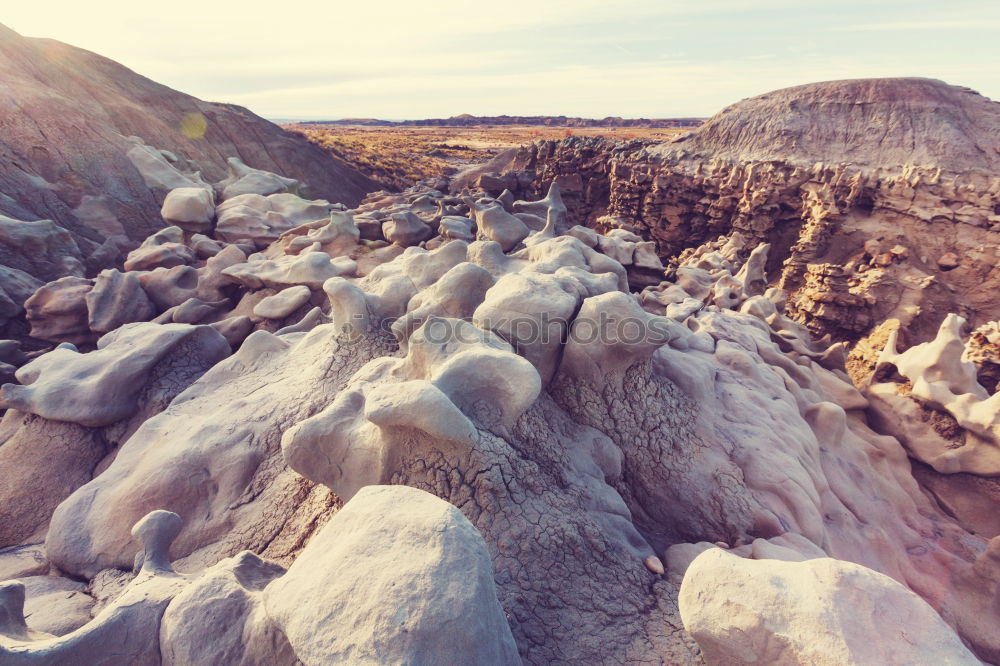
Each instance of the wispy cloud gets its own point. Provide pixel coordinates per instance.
(405, 59)
(965, 24)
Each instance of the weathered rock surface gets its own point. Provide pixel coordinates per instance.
(72, 410)
(284, 303)
(407, 578)
(834, 176)
(190, 208)
(600, 417)
(52, 91)
(115, 300)
(821, 611)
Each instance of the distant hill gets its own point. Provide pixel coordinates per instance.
(66, 116)
(466, 120)
(875, 122)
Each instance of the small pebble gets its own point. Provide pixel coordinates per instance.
(654, 564)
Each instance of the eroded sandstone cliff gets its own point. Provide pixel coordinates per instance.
(880, 198)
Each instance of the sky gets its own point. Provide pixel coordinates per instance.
(327, 59)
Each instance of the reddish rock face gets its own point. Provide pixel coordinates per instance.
(68, 116)
(890, 181)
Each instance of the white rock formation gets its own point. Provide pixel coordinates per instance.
(596, 437)
(405, 576)
(190, 208)
(284, 303)
(821, 611)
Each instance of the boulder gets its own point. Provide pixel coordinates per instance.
(284, 303)
(406, 229)
(820, 611)
(405, 578)
(117, 299)
(246, 180)
(164, 249)
(58, 311)
(190, 208)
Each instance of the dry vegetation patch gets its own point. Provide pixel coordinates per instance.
(401, 156)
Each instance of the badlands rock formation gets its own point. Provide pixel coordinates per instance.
(880, 198)
(81, 183)
(590, 435)
(440, 428)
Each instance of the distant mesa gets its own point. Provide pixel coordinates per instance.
(468, 120)
(890, 121)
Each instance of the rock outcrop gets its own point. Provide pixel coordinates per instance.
(80, 179)
(880, 198)
(594, 435)
(581, 431)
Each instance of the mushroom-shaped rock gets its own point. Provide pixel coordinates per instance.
(453, 226)
(190, 208)
(819, 611)
(335, 237)
(456, 294)
(117, 299)
(247, 180)
(58, 312)
(282, 304)
(164, 249)
(496, 224)
(406, 229)
(465, 371)
(404, 576)
(551, 207)
(156, 531)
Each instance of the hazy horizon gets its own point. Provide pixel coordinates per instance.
(317, 61)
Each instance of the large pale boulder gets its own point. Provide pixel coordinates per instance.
(220, 619)
(406, 229)
(190, 208)
(247, 180)
(398, 576)
(496, 224)
(262, 219)
(820, 611)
